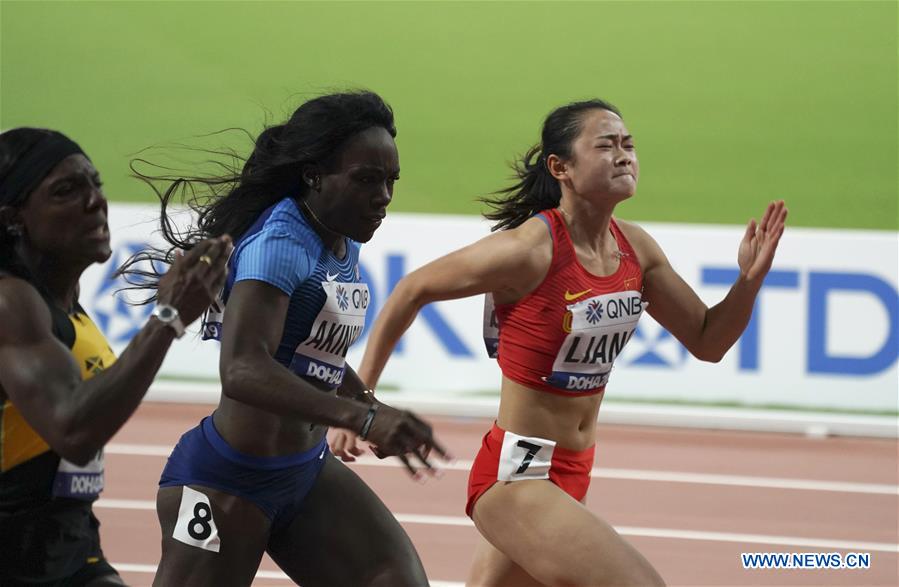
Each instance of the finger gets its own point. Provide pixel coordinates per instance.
(342, 454)
(356, 449)
(405, 460)
(775, 216)
(767, 214)
(210, 262)
(438, 448)
(198, 249)
(777, 226)
(430, 469)
(420, 427)
(750, 230)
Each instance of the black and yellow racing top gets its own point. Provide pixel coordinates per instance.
(30, 472)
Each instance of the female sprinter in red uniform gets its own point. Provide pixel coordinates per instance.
(569, 282)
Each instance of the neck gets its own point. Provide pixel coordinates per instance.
(59, 279)
(333, 240)
(588, 224)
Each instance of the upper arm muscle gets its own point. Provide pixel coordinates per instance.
(510, 264)
(672, 302)
(254, 320)
(37, 372)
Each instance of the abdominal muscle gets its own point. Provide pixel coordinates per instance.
(569, 421)
(257, 432)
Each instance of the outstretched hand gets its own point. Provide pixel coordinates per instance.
(402, 434)
(760, 242)
(345, 444)
(195, 277)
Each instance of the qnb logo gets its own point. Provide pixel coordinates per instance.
(118, 319)
(594, 311)
(653, 346)
(343, 300)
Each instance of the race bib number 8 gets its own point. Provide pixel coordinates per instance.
(195, 525)
(524, 457)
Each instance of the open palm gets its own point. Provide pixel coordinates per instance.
(760, 241)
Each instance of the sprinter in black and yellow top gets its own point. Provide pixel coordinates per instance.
(62, 392)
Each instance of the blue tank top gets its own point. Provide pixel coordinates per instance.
(328, 301)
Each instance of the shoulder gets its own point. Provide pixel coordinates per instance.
(647, 249)
(283, 230)
(530, 241)
(23, 312)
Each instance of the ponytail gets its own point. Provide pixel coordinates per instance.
(536, 189)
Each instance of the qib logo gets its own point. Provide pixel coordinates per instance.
(118, 319)
(653, 346)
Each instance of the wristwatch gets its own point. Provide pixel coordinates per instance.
(168, 315)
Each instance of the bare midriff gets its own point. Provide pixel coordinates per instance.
(569, 421)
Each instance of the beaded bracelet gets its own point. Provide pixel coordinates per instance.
(369, 418)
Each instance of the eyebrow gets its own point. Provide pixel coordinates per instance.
(75, 176)
(615, 136)
(377, 168)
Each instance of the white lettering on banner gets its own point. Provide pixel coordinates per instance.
(77, 482)
(600, 327)
(338, 324)
(800, 349)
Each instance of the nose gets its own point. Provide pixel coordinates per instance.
(624, 157)
(384, 194)
(95, 199)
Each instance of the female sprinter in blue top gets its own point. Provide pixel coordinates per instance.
(257, 475)
(569, 282)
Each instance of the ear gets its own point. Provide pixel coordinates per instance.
(9, 216)
(311, 176)
(557, 167)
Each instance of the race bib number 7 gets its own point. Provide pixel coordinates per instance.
(524, 457)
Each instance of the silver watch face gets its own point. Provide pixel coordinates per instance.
(166, 313)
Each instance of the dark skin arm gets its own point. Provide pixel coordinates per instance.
(40, 376)
(253, 326)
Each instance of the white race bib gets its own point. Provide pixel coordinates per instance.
(491, 327)
(339, 323)
(524, 457)
(195, 525)
(600, 327)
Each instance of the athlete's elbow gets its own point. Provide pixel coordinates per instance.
(237, 378)
(411, 292)
(709, 355)
(75, 444)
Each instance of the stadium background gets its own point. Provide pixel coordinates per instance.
(732, 103)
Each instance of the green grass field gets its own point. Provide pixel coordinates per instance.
(732, 103)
